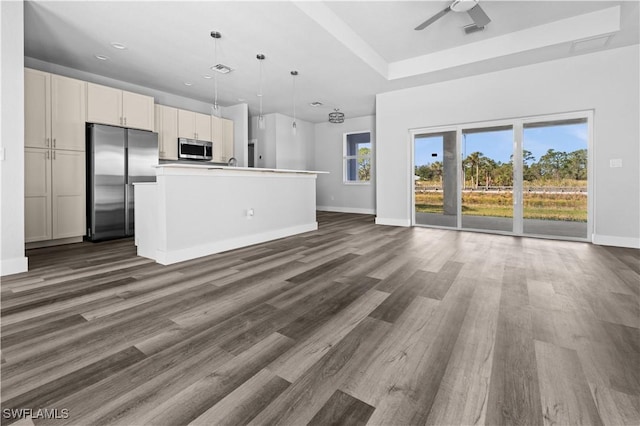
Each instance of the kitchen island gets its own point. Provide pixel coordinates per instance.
(198, 210)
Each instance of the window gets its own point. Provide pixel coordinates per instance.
(357, 157)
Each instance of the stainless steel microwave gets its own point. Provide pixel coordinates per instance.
(194, 149)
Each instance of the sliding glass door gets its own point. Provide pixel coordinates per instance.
(518, 177)
(435, 179)
(487, 178)
(555, 174)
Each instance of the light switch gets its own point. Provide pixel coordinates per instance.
(615, 162)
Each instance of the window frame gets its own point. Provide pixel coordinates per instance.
(346, 158)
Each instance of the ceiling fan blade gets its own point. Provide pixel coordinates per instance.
(433, 19)
(480, 19)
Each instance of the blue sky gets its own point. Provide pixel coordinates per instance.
(499, 144)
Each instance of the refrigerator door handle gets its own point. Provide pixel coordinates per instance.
(126, 208)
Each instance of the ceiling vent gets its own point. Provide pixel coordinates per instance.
(592, 43)
(222, 69)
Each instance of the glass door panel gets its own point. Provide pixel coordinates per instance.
(487, 178)
(555, 178)
(435, 179)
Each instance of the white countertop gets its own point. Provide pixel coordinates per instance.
(228, 168)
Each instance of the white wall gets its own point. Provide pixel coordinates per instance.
(292, 150)
(278, 148)
(606, 82)
(240, 116)
(332, 193)
(265, 144)
(12, 255)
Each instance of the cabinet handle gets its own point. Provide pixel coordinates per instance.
(47, 142)
(54, 155)
(125, 121)
(54, 142)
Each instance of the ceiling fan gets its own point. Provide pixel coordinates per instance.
(480, 19)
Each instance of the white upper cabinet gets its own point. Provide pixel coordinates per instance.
(68, 111)
(193, 125)
(137, 110)
(54, 111)
(104, 105)
(37, 109)
(186, 124)
(222, 132)
(203, 127)
(117, 107)
(167, 128)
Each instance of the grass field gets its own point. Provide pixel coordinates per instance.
(566, 207)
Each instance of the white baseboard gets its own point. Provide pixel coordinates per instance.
(345, 210)
(175, 256)
(393, 222)
(14, 266)
(609, 240)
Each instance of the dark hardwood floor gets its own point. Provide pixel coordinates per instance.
(352, 324)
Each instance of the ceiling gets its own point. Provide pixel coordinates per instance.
(345, 51)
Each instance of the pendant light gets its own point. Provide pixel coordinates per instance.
(336, 116)
(294, 126)
(216, 36)
(261, 123)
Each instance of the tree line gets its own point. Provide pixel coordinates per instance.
(480, 170)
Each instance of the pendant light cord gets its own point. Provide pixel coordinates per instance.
(216, 108)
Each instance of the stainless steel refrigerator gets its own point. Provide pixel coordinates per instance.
(116, 158)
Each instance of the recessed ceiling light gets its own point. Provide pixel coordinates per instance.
(188, 83)
(117, 45)
(102, 57)
(316, 104)
(207, 76)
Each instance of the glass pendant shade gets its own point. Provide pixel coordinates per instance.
(261, 123)
(294, 126)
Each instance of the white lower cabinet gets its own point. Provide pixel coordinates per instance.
(54, 194)
(37, 194)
